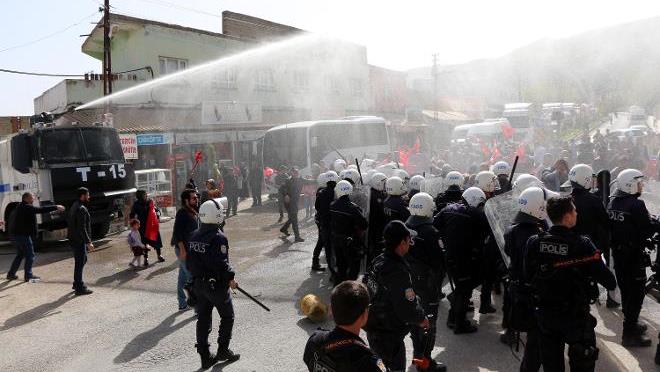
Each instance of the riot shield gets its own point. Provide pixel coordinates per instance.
(500, 211)
(651, 196)
(433, 185)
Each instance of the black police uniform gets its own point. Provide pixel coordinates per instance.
(394, 308)
(563, 268)
(630, 225)
(426, 260)
(208, 263)
(377, 221)
(505, 185)
(412, 193)
(340, 351)
(592, 219)
(347, 224)
(518, 308)
(463, 230)
(453, 194)
(324, 197)
(395, 208)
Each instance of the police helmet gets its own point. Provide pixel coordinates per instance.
(343, 188)
(377, 181)
(416, 182)
(454, 178)
(501, 167)
(394, 186)
(421, 204)
(487, 181)
(525, 181)
(582, 175)
(629, 180)
(211, 212)
(339, 165)
(352, 176)
(474, 197)
(401, 173)
(532, 202)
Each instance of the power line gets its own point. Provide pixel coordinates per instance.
(37, 73)
(177, 6)
(47, 36)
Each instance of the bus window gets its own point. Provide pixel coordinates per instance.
(287, 146)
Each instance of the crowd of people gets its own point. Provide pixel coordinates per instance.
(408, 240)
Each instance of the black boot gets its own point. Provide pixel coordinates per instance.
(208, 359)
(226, 355)
(466, 327)
(486, 309)
(611, 303)
(508, 337)
(634, 338)
(316, 266)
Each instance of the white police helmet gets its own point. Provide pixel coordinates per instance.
(343, 188)
(454, 178)
(581, 174)
(339, 165)
(501, 167)
(401, 173)
(366, 177)
(211, 212)
(487, 181)
(321, 180)
(342, 174)
(394, 186)
(378, 181)
(532, 201)
(416, 182)
(628, 181)
(329, 176)
(421, 204)
(352, 166)
(525, 181)
(367, 164)
(352, 175)
(474, 196)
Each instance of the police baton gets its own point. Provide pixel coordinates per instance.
(359, 171)
(252, 298)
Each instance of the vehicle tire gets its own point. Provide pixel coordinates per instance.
(100, 230)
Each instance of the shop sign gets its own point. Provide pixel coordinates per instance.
(205, 137)
(230, 112)
(129, 146)
(150, 139)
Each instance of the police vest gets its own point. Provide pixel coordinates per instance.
(324, 362)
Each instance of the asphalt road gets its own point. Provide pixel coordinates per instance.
(131, 322)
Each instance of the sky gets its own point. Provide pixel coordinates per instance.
(44, 35)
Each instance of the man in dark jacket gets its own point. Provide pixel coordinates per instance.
(231, 190)
(324, 197)
(292, 190)
(256, 179)
(79, 233)
(377, 218)
(394, 305)
(23, 229)
(347, 225)
(185, 223)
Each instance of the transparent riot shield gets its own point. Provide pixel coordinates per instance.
(432, 185)
(500, 211)
(651, 197)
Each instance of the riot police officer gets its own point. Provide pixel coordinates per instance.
(502, 170)
(377, 218)
(357, 196)
(415, 185)
(394, 305)
(395, 206)
(563, 269)
(208, 263)
(453, 185)
(426, 260)
(630, 224)
(518, 309)
(342, 349)
(347, 225)
(463, 228)
(325, 194)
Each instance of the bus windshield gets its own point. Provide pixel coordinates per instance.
(82, 145)
(287, 146)
(327, 138)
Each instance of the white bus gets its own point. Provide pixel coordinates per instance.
(305, 143)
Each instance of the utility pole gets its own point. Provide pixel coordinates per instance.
(107, 61)
(434, 72)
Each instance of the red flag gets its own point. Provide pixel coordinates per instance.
(496, 153)
(507, 130)
(198, 156)
(151, 230)
(520, 152)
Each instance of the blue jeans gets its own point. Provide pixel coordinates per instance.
(183, 279)
(80, 259)
(24, 249)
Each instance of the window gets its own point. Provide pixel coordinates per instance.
(84, 144)
(301, 81)
(170, 65)
(333, 84)
(286, 146)
(227, 79)
(264, 80)
(356, 87)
